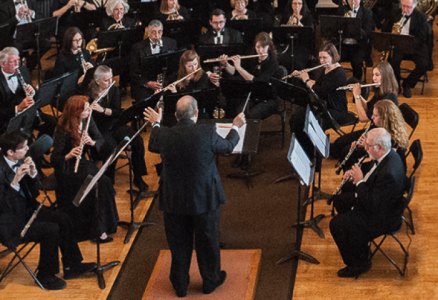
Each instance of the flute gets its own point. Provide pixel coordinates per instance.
(242, 57)
(182, 79)
(347, 87)
(307, 70)
(338, 189)
(32, 218)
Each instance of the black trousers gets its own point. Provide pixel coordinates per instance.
(181, 230)
(421, 64)
(52, 229)
(354, 54)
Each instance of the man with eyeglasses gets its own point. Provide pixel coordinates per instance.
(218, 34)
(415, 24)
(370, 203)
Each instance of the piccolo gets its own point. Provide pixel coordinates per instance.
(32, 218)
(348, 87)
(182, 79)
(338, 189)
(307, 70)
(242, 57)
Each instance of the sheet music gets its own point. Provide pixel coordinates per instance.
(224, 128)
(299, 160)
(317, 135)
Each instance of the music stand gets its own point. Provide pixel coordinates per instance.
(248, 28)
(161, 63)
(122, 39)
(35, 31)
(305, 169)
(65, 86)
(5, 37)
(385, 41)
(143, 11)
(24, 120)
(289, 92)
(185, 32)
(342, 27)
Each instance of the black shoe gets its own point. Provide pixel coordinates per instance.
(181, 292)
(51, 282)
(354, 271)
(142, 186)
(210, 289)
(407, 93)
(104, 241)
(79, 270)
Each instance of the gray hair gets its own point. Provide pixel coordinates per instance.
(100, 71)
(186, 111)
(111, 4)
(154, 23)
(415, 3)
(4, 54)
(382, 138)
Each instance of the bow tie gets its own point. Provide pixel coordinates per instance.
(17, 165)
(12, 75)
(355, 11)
(17, 3)
(159, 44)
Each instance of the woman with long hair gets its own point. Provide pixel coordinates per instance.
(296, 13)
(173, 9)
(240, 12)
(69, 137)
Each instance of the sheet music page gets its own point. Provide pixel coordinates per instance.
(317, 135)
(301, 163)
(224, 128)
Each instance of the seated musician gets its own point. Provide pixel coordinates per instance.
(218, 34)
(105, 113)
(357, 50)
(325, 87)
(72, 139)
(144, 85)
(51, 229)
(116, 11)
(72, 55)
(371, 206)
(240, 12)
(388, 89)
(262, 69)
(417, 26)
(170, 10)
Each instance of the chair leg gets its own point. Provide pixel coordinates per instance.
(406, 254)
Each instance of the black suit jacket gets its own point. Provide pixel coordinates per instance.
(15, 210)
(231, 36)
(190, 182)
(366, 26)
(7, 13)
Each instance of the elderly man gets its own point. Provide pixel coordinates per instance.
(372, 207)
(145, 83)
(191, 191)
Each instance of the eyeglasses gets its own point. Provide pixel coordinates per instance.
(369, 146)
(218, 23)
(78, 40)
(295, 3)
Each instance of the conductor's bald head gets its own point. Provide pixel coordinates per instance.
(187, 108)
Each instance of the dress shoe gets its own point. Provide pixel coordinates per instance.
(210, 289)
(78, 270)
(142, 186)
(354, 271)
(181, 292)
(407, 93)
(104, 241)
(51, 282)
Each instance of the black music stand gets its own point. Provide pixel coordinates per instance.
(306, 169)
(24, 120)
(122, 39)
(185, 32)
(161, 63)
(333, 27)
(143, 11)
(30, 35)
(385, 41)
(207, 100)
(92, 182)
(248, 28)
(299, 36)
(5, 36)
(64, 87)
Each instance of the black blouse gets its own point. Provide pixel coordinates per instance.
(251, 14)
(262, 71)
(370, 104)
(182, 11)
(72, 62)
(306, 20)
(201, 84)
(326, 85)
(112, 101)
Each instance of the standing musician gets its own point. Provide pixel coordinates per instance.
(388, 89)
(144, 86)
(240, 12)
(218, 34)
(191, 192)
(325, 87)
(415, 24)
(51, 229)
(71, 141)
(170, 10)
(359, 49)
(106, 112)
(372, 208)
(261, 70)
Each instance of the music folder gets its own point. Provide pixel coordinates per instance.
(385, 41)
(314, 131)
(300, 161)
(185, 32)
(24, 120)
(153, 65)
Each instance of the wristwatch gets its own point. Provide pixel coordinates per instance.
(357, 97)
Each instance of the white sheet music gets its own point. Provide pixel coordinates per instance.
(301, 163)
(317, 135)
(224, 128)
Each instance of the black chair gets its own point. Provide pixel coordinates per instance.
(423, 79)
(411, 117)
(406, 201)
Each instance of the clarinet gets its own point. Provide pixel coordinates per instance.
(34, 215)
(338, 189)
(24, 86)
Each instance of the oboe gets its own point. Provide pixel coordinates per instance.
(307, 70)
(32, 218)
(347, 157)
(338, 189)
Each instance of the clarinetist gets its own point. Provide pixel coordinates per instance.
(370, 206)
(51, 229)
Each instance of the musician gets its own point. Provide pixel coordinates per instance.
(69, 135)
(218, 34)
(14, 14)
(171, 10)
(325, 87)
(372, 208)
(382, 11)
(388, 89)
(357, 50)
(144, 83)
(51, 229)
(105, 113)
(261, 70)
(116, 11)
(240, 12)
(417, 26)
(191, 192)
(71, 54)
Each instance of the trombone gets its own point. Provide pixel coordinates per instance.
(349, 88)
(242, 57)
(307, 70)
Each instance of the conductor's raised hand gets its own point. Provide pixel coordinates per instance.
(152, 116)
(239, 120)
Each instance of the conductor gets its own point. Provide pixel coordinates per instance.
(191, 191)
